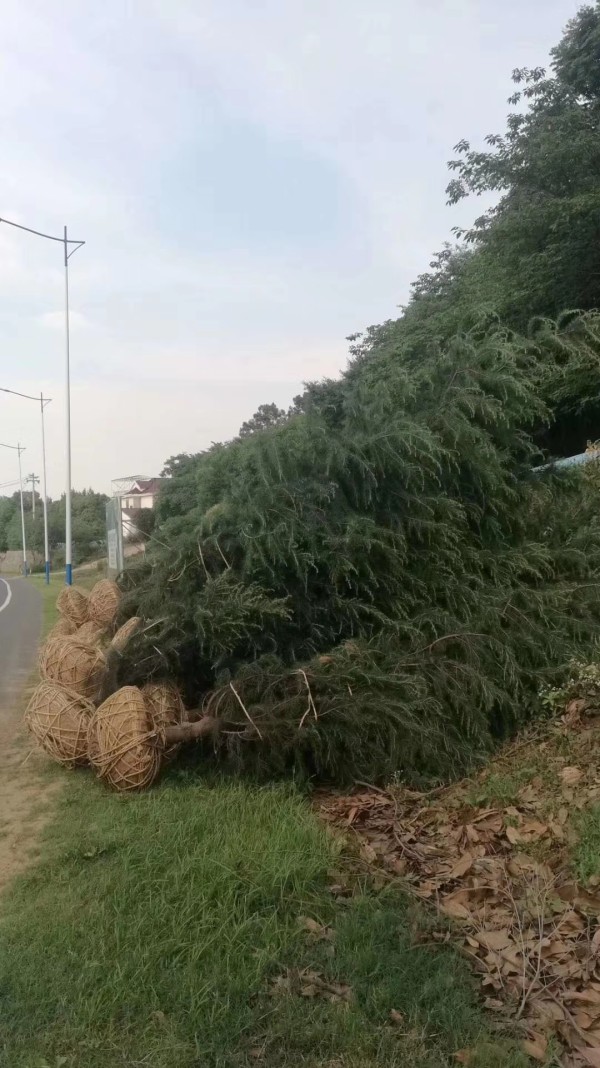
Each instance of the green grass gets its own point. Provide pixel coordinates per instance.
(154, 930)
(153, 926)
(586, 858)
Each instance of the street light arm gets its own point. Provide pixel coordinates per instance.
(15, 393)
(49, 237)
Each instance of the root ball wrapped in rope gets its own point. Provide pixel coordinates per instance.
(77, 665)
(123, 744)
(126, 747)
(90, 632)
(64, 628)
(59, 719)
(73, 603)
(104, 603)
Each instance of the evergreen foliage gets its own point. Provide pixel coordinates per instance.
(380, 581)
(379, 586)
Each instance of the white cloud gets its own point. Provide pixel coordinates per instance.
(55, 320)
(182, 325)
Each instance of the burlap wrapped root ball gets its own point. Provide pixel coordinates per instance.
(59, 721)
(123, 744)
(77, 665)
(165, 705)
(91, 632)
(126, 632)
(104, 603)
(73, 603)
(64, 628)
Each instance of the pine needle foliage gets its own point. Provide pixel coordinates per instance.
(379, 585)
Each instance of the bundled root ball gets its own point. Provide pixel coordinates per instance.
(123, 744)
(77, 665)
(165, 705)
(104, 602)
(126, 632)
(91, 632)
(73, 603)
(59, 720)
(63, 629)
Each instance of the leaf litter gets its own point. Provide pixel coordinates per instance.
(501, 872)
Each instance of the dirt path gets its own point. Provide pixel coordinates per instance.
(25, 787)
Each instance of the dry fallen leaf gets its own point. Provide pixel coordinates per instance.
(495, 940)
(536, 1046)
(527, 928)
(528, 831)
(571, 776)
(591, 1056)
(318, 931)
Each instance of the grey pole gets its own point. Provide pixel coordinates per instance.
(19, 451)
(69, 534)
(65, 241)
(43, 402)
(45, 498)
(33, 479)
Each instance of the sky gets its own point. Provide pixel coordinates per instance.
(253, 181)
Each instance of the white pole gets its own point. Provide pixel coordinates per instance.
(19, 451)
(68, 534)
(45, 500)
(32, 496)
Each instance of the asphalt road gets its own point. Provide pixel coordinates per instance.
(20, 625)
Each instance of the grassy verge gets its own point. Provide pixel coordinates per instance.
(211, 925)
(167, 929)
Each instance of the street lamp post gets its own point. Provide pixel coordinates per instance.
(65, 242)
(33, 479)
(43, 402)
(19, 449)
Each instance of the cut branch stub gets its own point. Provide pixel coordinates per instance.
(165, 705)
(189, 732)
(125, 632)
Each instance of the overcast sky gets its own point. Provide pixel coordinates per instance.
(254, 181)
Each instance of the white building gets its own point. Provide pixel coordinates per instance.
(135, 494)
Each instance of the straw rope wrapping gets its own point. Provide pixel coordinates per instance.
(126, 632)
(74, 664)
(73, 603)
(123, 744)
(63, 629)
(165, 706)
(58, 720)
(104, 603)
(91, 632)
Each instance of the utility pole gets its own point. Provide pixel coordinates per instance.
(18, 448)
(33, 479)
(65, 242)
(43, 402)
